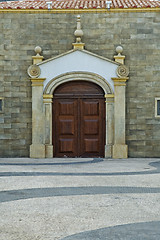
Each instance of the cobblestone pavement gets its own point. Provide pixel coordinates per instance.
(79, 199)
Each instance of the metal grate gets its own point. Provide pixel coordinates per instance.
(158, 107)
(0, 104)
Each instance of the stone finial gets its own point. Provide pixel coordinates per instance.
(119, 50)
(38, 50)
(78, 34)
(119, 58)
(38, 58)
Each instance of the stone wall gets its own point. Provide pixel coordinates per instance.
(137, 32)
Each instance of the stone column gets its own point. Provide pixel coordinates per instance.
(47, 99)
(37, 149)
(120, 149)
(109, 124)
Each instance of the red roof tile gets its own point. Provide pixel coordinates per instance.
(78, 4)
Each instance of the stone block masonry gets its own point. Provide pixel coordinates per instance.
(137, 32)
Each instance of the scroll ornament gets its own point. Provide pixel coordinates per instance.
(122, 71)
(34, 71)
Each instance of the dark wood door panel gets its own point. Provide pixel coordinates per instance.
(92, 127)
(66, 107)
(91, 146)
(66, 146)
(91, 107)
(65, 127)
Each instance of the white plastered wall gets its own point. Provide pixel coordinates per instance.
(78, 61)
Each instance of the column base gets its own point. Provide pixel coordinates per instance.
(108, 151)
(120, 151)
(49, 151)
(37, 151)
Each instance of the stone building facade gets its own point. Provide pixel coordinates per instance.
(135, 29)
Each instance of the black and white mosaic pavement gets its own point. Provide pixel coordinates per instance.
(80, 199)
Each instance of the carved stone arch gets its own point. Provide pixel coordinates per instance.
(74, 76)
(42, 95)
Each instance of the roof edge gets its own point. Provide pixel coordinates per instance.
(78, 11)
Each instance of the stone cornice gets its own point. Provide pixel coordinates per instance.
(79, 11)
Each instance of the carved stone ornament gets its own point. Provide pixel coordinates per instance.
(34, 71)
(122, 71)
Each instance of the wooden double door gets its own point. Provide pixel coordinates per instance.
(79, 120)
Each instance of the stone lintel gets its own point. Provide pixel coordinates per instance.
(120, 151)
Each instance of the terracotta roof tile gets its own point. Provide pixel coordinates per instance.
(78, 4)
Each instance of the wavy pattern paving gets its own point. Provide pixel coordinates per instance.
(79, 199)
(143, 231)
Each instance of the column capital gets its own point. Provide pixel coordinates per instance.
(47, 98)
(109, 98)
(109, 95)
(37, 81)
(120, 81)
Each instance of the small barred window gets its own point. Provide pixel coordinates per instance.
(1, 105)
(157, 107)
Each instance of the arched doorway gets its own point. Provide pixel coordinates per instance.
(79, 120)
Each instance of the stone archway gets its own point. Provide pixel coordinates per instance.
(78, 64)
(76, 76)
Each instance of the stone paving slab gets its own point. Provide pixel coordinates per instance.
(72, 199)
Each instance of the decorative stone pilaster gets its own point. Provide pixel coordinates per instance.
(47, 99)
(109, 124)
(37, 149)
(120, 149)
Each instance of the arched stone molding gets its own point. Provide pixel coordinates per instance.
(75, 76)
(115, 146)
